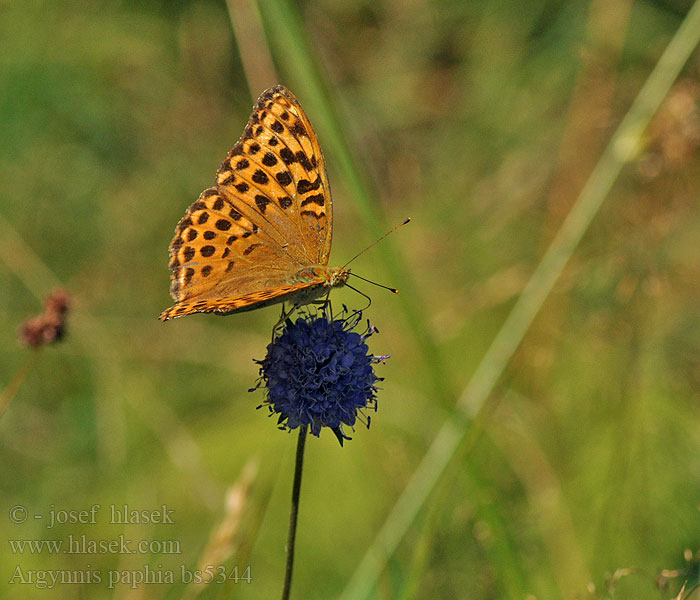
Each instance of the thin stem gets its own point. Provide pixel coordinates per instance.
(294, 513)
(13, 387)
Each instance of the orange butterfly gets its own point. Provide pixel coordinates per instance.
(263, 235)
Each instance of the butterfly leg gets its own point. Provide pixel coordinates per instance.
(283, 317)
(327, 308)
(325, 305)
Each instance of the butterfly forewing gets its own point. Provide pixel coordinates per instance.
(240, 244)
(277, 166)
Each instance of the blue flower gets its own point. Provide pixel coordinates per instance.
(319, 373)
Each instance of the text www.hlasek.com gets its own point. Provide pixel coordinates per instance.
(84, 545)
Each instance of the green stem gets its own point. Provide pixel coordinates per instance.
(294, 513)
(13, 387)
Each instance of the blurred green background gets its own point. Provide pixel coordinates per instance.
(482, 121)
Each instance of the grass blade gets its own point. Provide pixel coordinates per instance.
(621, 149)
(290, 42)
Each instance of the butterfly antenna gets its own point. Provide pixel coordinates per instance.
(404, 222)
(386, 287)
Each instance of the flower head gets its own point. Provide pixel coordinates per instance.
(319, 373)
(50, 325)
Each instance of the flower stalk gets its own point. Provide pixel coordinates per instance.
(294, 513)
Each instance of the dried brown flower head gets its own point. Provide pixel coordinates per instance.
(50, 325)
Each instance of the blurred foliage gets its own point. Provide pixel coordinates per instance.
(482, 121)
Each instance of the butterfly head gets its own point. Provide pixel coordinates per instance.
(338, 276)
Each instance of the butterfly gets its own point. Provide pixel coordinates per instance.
(263, 234)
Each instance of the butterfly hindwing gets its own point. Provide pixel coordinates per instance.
(300, 291)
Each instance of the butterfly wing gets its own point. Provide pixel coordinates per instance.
(278, 167)
(241, 243)
(296, 292)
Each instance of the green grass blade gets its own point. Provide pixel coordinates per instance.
(619, 151)
(289, 39)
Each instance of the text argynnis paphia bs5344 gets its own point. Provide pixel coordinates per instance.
(263, 234)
